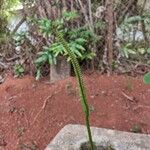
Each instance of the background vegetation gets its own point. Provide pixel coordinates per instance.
(105, 35)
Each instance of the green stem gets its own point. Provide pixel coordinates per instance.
(77, 70)
(89, 133)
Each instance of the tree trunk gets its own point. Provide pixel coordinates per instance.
(110, 31)
(61, 70)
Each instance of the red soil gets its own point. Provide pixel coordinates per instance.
(32, 113)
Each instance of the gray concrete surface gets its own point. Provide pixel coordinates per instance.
(72, 136)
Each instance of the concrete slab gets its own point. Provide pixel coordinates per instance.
(72, 136)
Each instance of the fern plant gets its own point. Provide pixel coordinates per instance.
(45, 56)
(77, 40)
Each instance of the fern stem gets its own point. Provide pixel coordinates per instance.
(77, 70)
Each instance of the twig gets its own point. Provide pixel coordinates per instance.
(3, 65)
(128, 97)
(144, 106)
(12, 59)
(84, 13)
(42, 108)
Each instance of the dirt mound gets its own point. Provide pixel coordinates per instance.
(31, 112)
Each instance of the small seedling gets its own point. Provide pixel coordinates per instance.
(12, 109)
(136, 128)
(86, 146)
(21, 131)
(70, 90)
(18, 70)
(114, 65)
(129, 84)
(92, 109)
(32, 146)
(110, 148)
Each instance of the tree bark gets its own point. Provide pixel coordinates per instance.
(110, 31)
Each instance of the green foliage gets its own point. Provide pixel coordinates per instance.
(18, 70)
(131, 23)
(133, 19)
(58, 49)
(45, 56)
(20, 38)
(135, 43)
(70, 16)
(127, 49)
(6, 6)
(147, 78)
(146, 19)
(148, 50)
(128, 22)
(114, 65)
(45, 27)
(78, 40)
(101, 25)
(138, 49)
